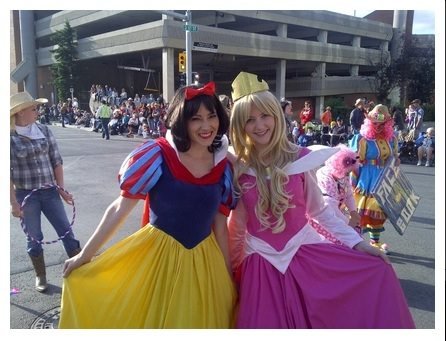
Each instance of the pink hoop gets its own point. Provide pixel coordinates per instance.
(22, 223)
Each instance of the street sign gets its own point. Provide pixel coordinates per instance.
(206, 47)
(192, 28)
(71, 90)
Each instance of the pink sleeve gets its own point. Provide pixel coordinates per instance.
(237, 225)
(325, 215)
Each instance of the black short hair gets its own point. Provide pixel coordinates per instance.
(181, 111)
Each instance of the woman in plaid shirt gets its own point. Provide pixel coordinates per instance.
(36, 167)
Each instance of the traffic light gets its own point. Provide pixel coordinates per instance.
(182, 79)
(182, 62)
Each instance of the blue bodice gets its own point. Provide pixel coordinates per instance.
(183, 210)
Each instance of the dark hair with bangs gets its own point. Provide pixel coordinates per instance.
(181, 111)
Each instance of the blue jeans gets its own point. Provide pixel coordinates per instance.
(49, 202)
(105, 132)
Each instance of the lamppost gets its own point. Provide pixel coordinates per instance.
(188, 48)
(188, 27)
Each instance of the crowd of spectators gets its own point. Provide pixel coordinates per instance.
(132, 116)
(145, 116)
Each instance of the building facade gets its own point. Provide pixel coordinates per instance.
(303, 55)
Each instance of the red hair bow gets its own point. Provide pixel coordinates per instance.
(208, 89)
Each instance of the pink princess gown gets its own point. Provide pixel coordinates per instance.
(300, 279)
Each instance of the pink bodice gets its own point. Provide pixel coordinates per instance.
(295, 218)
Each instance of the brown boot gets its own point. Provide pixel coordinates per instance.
(39, 267)
(74, 252)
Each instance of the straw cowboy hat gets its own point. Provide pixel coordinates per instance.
(23, 100)
(379, 114)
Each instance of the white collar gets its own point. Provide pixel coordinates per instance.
(31, 131)
(317, 156)
(219, 155)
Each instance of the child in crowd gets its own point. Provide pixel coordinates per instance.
(426, 147)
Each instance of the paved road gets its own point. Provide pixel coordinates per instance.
(91, 166)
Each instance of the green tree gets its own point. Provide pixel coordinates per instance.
(422, 79)
(413, 73)
(390, 74)
(64, 70)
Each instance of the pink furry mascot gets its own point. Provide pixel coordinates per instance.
(334, 183)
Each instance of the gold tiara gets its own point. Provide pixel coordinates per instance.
(247, 83)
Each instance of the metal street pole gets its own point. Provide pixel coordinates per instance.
(188, 48)
(188, 27)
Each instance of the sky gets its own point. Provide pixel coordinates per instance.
(423, 22)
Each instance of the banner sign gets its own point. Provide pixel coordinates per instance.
(396, 196)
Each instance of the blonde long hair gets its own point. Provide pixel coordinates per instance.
(279, 153)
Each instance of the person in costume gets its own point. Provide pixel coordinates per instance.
(37, 176)
(306, 114)
(175, 271)
(334, 183)
(375, 144)
(289, 274)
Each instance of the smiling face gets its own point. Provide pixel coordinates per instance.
(259, 127)
(202, 127)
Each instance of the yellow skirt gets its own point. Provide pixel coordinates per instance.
(372, 216)
(149, 280)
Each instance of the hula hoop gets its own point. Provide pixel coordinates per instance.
(22, 223)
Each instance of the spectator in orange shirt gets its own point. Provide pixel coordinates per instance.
(326, 117)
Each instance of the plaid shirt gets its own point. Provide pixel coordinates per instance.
(33, 161)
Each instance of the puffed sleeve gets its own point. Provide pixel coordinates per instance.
(353, 142)
(359, 145)
(229, 201)
(140, 171)
(327, 184)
